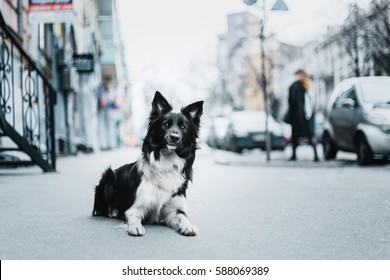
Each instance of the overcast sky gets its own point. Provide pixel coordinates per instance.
(164, 34)
(161, 36)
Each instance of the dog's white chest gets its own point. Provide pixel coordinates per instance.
(165, 174)
(159, 181)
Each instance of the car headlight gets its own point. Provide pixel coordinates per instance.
(376, 118)
(385, 128)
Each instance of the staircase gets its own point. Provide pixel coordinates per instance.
(26, 107)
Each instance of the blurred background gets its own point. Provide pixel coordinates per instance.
(79, 76)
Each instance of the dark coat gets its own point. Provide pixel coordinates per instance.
(301, 127)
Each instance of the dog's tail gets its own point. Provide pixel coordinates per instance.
(105, 193)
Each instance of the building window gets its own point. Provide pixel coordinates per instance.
(105, 8)
(105, 28)
(43, 36)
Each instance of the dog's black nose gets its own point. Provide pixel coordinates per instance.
(174, 138)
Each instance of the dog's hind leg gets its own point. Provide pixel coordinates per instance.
(100, 207)
(174, 215)
(105, 194)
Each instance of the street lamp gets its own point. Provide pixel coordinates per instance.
(278, 6)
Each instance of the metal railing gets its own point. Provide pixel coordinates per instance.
(26, 106)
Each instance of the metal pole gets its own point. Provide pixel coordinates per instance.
(264, 84)
(278, 6)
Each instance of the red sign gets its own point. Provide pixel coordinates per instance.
(50, 5)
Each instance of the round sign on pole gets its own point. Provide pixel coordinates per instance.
(250, 2)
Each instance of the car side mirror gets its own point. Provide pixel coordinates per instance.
(348, 103)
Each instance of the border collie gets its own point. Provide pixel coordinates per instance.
(153, 189)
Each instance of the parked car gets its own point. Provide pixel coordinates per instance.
(358, 119)
(246, 130)
(217, 132)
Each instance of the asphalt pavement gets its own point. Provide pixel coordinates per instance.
(244, 207)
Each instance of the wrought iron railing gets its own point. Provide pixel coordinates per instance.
(26, 106)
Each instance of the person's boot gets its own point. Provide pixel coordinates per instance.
(294, 153)
(315, 150)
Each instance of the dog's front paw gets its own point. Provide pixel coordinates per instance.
(136, 230)
(188, 230)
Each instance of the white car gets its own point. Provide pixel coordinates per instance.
(246, 130)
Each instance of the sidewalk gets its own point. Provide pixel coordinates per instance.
(281, 159)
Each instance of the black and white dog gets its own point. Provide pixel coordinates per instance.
(153, 189)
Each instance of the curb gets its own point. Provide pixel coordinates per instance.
(284, 163)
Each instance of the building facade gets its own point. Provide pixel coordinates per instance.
(80, 52)
(239, 63)
(114, 108)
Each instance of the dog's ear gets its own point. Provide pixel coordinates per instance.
(159, 105)
(194, 111)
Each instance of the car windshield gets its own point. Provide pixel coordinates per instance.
(220, 126)
(376, 92)
(248, 121)
(251, 121)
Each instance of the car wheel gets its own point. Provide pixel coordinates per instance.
(328, 146)
(363, 151)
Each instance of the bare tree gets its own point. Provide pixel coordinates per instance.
(353, 39)
(378, 35)
(365, 39)
(226, 95)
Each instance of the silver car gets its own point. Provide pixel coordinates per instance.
(358, 119)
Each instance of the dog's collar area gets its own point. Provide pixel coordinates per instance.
(171, 147)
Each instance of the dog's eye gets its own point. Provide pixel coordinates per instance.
(166, 124)
(182, 127)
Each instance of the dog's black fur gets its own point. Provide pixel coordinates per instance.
(164, 170)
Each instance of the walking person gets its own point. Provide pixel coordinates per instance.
(301, 112)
